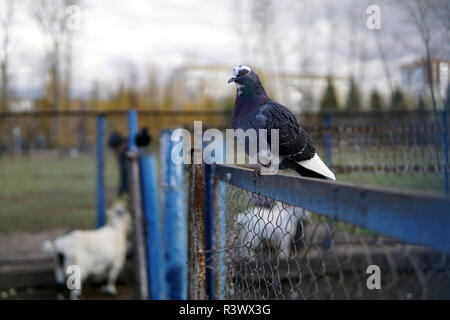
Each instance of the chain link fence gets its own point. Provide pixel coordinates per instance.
(48, 171)
(407, 151)
(274, 250)
(48, 164)
(267, 248)
(278, 250)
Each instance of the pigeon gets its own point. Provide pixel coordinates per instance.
(143, 138)
(253, 109)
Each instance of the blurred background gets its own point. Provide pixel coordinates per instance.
(373, 100)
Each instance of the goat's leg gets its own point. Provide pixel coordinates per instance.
(110, 287)
(74, 294)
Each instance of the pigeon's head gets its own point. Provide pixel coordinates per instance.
(248, 85)
(243, 75)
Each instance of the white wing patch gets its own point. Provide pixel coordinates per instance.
(316, 164)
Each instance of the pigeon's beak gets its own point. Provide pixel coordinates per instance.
(231, 79)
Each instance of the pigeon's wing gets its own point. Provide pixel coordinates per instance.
(294, 143)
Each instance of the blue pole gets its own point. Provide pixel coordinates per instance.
(152, 222)
(209, 230)
(221, 234)
(174, 221)
(132, 118)
(215, 263)
(100, 202)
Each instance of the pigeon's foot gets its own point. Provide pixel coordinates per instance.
(256, 168)
(260, 170)
(253, 166)
(268, 171)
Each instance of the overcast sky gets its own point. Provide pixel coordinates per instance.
(115, 35)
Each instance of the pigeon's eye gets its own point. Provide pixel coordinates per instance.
(244, 73)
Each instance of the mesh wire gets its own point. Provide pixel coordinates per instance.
(407, 154)
(273, 250)
(48, 173)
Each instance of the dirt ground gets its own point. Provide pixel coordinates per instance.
(25, 244)
(124, 292)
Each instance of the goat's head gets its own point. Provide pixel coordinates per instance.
(118, 215)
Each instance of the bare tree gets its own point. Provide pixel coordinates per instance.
(68, 57)
(6, 19)
(362, 68)
(305, 17)
(357, 50)
(352, 14)
(51, 16)
(268, 42)
(73, 12)
(262, 20)
(420, 15)
(238, 14)
(331, 12)
(384, 60)
(441, 13)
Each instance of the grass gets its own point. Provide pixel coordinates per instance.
(49, 191)
(428, 183)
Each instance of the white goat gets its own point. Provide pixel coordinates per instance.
(269, 227)
(98, 253)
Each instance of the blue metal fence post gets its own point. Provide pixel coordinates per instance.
(209, 230)
(150, 210)
(221, 234)
(100, 201)
(132, 119)
(214, 231)
(139, 241)
(328, 144)
(174, 220)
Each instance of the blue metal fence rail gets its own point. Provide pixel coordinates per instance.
(417, 219)
(405, 218)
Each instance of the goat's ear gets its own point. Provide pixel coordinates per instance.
(118, 211)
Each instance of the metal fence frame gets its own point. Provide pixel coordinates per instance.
(413, 218)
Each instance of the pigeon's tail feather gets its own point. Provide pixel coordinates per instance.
(314, 168)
